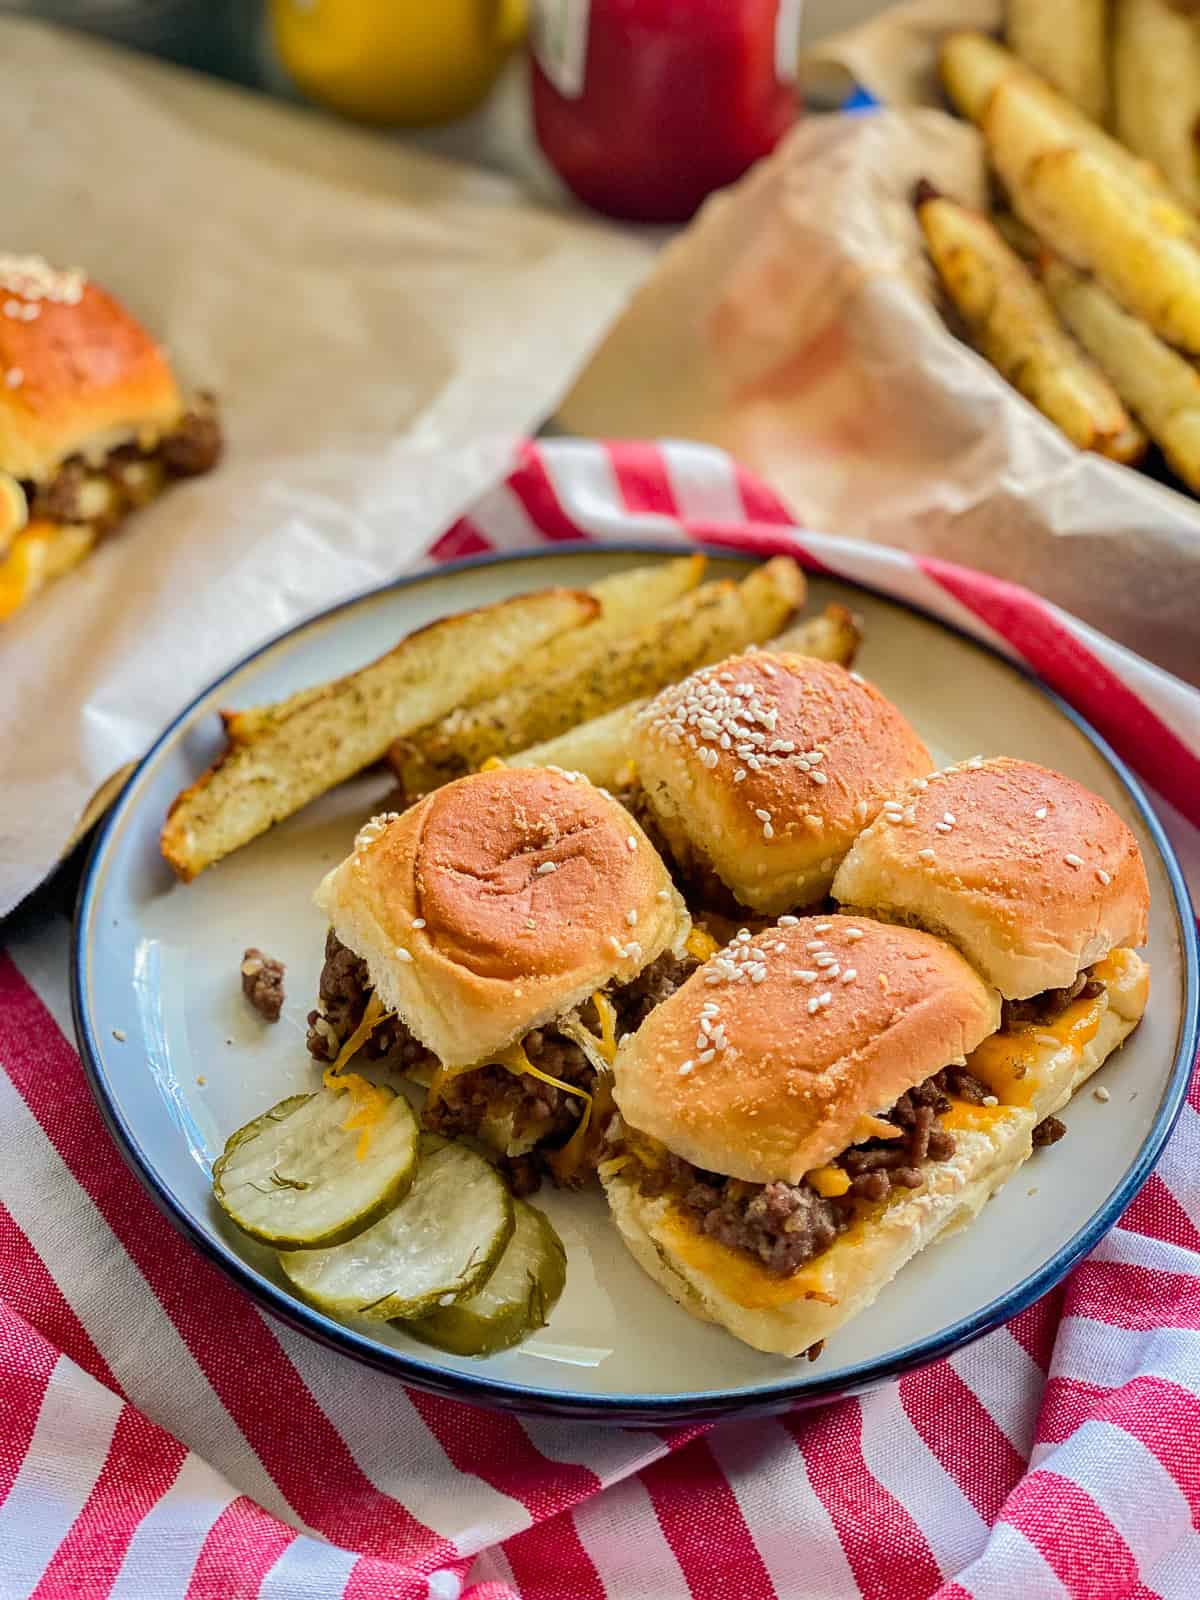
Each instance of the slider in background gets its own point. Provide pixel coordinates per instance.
(92, 423)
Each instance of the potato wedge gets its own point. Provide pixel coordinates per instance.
(600, 748)
(628, 600)
(1012, 323)
(1156, 89)
(834, 635)
(1156, 382)
(714, 621)
(350, 723)
(974, 67)
(1141, 246)
(1067, 43)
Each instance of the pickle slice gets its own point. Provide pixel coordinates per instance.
(318, 1168)
(438, 1245)
(516, 1299)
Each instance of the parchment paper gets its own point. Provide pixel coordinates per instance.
(794, 323)
(380, 327)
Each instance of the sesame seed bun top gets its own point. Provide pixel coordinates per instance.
(78, 374)
(765, 767)
(499, 902)
(762, 1064)
(1031, 875)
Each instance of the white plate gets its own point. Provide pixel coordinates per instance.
(157, 961)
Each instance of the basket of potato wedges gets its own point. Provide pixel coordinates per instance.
(1082, 285)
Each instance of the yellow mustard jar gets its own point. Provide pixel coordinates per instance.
(400, 62)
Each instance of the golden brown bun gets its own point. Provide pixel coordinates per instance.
(774, 833)
(787, 1315)
(87, 375)
(1029, 899)
(787, 1092)
(503, 947)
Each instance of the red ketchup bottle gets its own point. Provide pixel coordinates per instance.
(645, 106)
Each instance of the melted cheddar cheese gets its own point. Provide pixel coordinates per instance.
(607, 1013)
(371, 1018)
(368, 1102)
(829, 1182)
(701, 944)
(1005, 1062)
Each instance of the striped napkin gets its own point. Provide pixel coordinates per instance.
(161, 1438)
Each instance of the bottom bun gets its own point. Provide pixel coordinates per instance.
(1033, 1071)
(786, 1315)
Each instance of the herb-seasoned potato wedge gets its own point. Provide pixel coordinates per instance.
(1067, 43)
(627, 601)
(1140, 244)
(331, 734)
(718, 619)
(1012, 323)
(1156, 89)
(1156, 382)
(600, 748)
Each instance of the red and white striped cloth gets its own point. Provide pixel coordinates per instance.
(161, 1438)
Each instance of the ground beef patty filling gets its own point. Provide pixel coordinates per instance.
(1043, 1008)
(488, 1093)
(785, 1225)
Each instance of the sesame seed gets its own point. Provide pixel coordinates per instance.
(1102, 1095)
(705, 1057)
(119, 1035)
(631, 917)
(805, 974)
(1040, 813)
(825, 959)
(788, 922)
(418, 922)
(819, 777)
(402, 954)
(920, 783)
(925, 855)
(822, 927)
(685, 1067)
(546, 868)
(762, 815)
(989, 1100)
(768, 831)
(814, 1005)
(854, 933)
(768, 668)
(1072, 860)
(948, 817)
(815, 944)
(633, 950)
(1105, 877)
(14, 378)
(702, 1041)
(826, 998)
(663, 894)
(943, 827)
(849, 975)
(631, 842)
(740, 775)
(743, 934)
(975, 763)
(857, 677)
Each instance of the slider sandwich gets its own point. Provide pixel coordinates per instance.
(92, 423)
(798, 1121)
(1043, 889)
(759, 772)
(494, 941)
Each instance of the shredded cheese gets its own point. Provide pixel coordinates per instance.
(606, 1011)
(493, 764)
(701, 944)
(869, 1127)
(371, 1018)
(368, 1102)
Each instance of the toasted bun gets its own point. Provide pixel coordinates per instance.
(789, 1088)
(787, 1315)
(503, 946)
(1034, 879)
(771, 823)
(81, 375)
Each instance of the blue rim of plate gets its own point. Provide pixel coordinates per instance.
(624, 1409)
